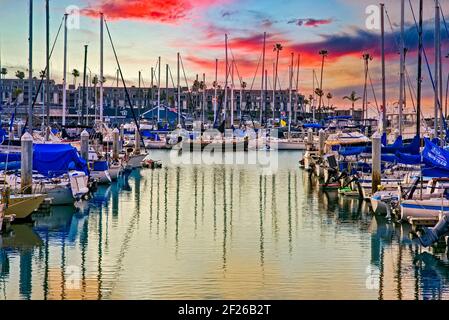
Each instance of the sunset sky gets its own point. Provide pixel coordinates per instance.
(143, 30)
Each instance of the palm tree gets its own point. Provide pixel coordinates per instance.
(277, 48)
(75, 74)
(329, 97)
(20, 74)
(320, 93)
(323, 54)
(353, 98)
(3, 72)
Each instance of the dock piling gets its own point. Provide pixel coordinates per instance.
(26, 167)
(376, 159)
(115, 144)
(85, 145)
(322, 136)
(137, 142)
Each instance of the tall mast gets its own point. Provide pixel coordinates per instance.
(152, 87)
(437, 65)
(166, 93)
(204, 97)
(64, 78)
(266, 90)
(420, 51)
(384, 97)
(232, 92)
(312, 103)
(139, 94)
(179, 90)
(226, 80)
(30, 70)
(402, 66)
(440, 74)
(159, 91)
(47, 56)
(101, 66)
(84, 85)
(274, 91)
(262, 93)
(215, 93)
(297, 87)
(290, 98)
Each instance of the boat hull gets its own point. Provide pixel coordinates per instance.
(424, 208)
(22, 206)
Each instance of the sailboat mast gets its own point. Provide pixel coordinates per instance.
(402, 66)
(262, 93)
(232, 93)
(384, 97)
(226, 78)
(47, 57)
(101, 66)
(215, 93)
(64, 78)
(312, 103)
(290, 98)
(297, 88)
(84, 86)
(204, 97)
(179, 89)
(420, 51)
(437, 67)
(159, 91)
(274, 90)
(30, 70)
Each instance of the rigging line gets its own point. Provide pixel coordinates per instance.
(171, 76)
(189, 93)
(444, 20)
(42, 78)
(414, 98)
(430, 75)
(255, 74)
(124, 84)
(374, 91)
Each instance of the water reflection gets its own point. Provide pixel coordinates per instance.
(217, 232)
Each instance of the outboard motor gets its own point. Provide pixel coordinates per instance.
(432, 235)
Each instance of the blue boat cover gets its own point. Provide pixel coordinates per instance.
(435, 157)
(101, 166)
(56, 159)
(49, 159)
(351, 151)
(408, 158)
(312, 125)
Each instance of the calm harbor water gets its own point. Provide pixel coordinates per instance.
(216, 232)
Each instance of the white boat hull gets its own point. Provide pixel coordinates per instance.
(424, 208)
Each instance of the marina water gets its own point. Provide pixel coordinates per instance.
(217, 232)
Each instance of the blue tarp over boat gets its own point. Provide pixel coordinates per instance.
(435, 157)
(56, 159)
(51, 159)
